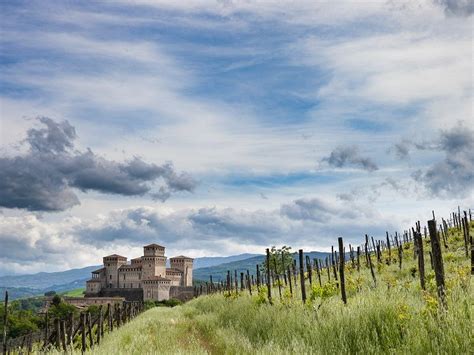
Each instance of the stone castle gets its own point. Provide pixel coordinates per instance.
(144, 278)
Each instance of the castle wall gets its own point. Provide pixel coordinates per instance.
(130, 294)
(130, 277)
(182, 293)
(156, 291)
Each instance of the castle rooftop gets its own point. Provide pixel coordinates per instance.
(181, 257)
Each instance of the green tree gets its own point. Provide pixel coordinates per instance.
(280, 259)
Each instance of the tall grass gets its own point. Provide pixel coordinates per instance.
(396, 317)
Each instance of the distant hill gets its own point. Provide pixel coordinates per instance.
(219, 272)
(42, 280)
(217, 260)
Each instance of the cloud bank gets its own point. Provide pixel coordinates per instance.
(46, 177)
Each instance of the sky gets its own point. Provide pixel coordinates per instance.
(223, 127)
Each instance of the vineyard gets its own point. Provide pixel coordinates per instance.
(405, 293)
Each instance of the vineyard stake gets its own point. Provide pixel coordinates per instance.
(341, 270)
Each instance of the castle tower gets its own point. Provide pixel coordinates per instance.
(153, 261)
(111, 265)
(184, 264)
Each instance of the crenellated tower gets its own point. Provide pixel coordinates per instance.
(153, 261)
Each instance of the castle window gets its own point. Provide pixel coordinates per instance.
(110, 276)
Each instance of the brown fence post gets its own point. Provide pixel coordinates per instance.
(5, 324)
(421, 258)
(290, 283)
(437, 261)
(83, 334)
(258, 278)
(341, 269)
(369, 260)
(58, 333)
(303, 288)
(249, 282)
(63, 334)
(269, 285)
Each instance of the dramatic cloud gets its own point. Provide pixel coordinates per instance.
(349, 156)
(454, 175)
(45, 177)
(457, 7)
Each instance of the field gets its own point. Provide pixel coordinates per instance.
(395, 317)
(78, 292)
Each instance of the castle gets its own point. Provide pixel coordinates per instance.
(144, 278)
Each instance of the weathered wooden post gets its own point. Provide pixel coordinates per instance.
(309, 270)
(110, 318)
(89, 326)
(249, 283)
(57, 329)
(358, 258)
(236, 282)
(258, 278)
(63, 334)
(389, 250)
(5, 324)
(341, 270)
(303, 288)
(290, 283)
(228, 281)
(421, 258)
(269, 285)
(318, 271)
(437, 261)
(83, 334)
(370, 265)
(99, 326)
(71, 329)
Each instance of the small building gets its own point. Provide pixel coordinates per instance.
(144, 278)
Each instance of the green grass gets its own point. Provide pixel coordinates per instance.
(78, 292)
(396, 317)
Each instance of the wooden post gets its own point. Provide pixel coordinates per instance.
(421, 258)
(289, 279)
(318, 271)
(57, 328)
(269, 285)
(309, 270)
(358, 258)
(71, 330)
(437, 261)
(110, 318)
(258, 277)
(341, 270)
(83, 335)
(228, 281)
(333, 263)
(63, 334)
(249, 283)
(465, 229)
(389, 250)
(328, 268)
(89, 326)
(370, 265)
(5, 324)
(236, 282)
(99, 326)
(303, 288)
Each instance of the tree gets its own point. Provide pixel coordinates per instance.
(280, 260)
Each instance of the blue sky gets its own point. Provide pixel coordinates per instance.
(223, 127)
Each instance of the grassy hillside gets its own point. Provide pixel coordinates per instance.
(396, 317)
